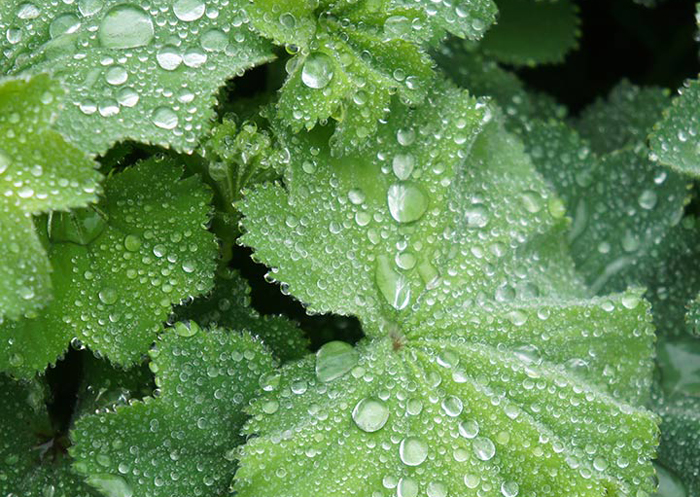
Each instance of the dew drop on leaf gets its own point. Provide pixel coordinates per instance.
(110, 485)
(484, 448)
(370, 415)
(413, 451)
(317, 72)
(392, 285)
(407, 487)
(334, 359)
(126, 26)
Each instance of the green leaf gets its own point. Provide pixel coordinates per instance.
(626, 117)
(353, 55)
(179, 442)
(144, 73)
(33, 462)
(680, 438)
(484, 368)
(675, 140)
(39, 172)
(621, 203)
(118, 268)
(228, 306)
(531, 32)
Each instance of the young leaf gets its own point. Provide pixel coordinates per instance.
(675, 140)
(353, 55)
(33, 460)
(228, 306)
(178, 443)
(624, 118)
(147, 73)
(39, 172)
(531, 32)
(118, 268)
(485, 370)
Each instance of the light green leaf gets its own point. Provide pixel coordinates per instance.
(621, 203)
(144, 73)
(531, 33)
(178, 443)
(675, 140)
(39, 172)
(33, 460)
(484, 368)
(118, 268)
(228, 306)
(353, 55)
(625, 118)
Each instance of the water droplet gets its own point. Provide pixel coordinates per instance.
(334, 359)
(169, 58)
(532, 201)
(452, 406)
(647, 199)
(108, 295)
(28, 11)
(186, 328)
(214, 41)
(509, 489)
(63, 25)
(132, 243)
(165, 118)
(484, 448)
(317, 71)
(116, 75)
(5, 161)
(370, 415)
(413, 451)
(407, 487)
(188, 10)
(126, 26)
(477, 216)
(471, 480)
(403, 165)
(469, 428)
(392, 285)
(110, 485)
(437, 489)
(127, 97)
(407, 203)
(89, 8)
(356, 196)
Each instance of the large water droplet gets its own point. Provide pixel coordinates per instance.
(403, 165)
(169, 58)
(63, 25)
(110, 485)
(484, 448)
(407, 203)
(393, 286)
(317, 71)
(469, 428)
(165, 118)
(108, 295)
(437, 489)
(370, 415)
(126, 26)
(186, 328)
(407, 487)
(452, 406)
(413, 451)
(334, 359)
(509, 489)
(188, 10)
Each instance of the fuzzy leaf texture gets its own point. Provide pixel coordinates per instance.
(147, 73)
(485, 369)
(118, 268)
(180, 442)
(39, 172)
(352, 55)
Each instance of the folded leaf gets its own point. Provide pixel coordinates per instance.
(485, 369)
(148, 73)
(178, 443)
(118, 268)
(39, 172)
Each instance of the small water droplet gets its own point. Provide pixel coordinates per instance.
(108, 296)
(116, 75)
(370, 415)
(165, 118)
(317, 72)
(647, 199)
(452, 406)
(484, 448)
(403, 165)
(509, 489)
(335, 359)
(169, 58)
(469, 428)
(393, 286)
(186, 328)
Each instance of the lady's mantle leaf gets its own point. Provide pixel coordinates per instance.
(675, 141)
(39, 172)
(147, 73)
(118, 268)
(485, 371)
(32, 461)
(530, 33)
(228, 306)
(354, 55)
(180, 442)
